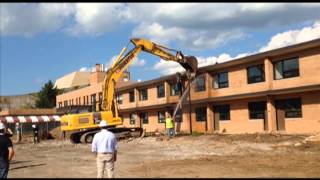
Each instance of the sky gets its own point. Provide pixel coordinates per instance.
(45, 41)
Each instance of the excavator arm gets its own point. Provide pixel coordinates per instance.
(123, 61)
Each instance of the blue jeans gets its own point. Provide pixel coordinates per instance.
(4, 168)
(170, 132)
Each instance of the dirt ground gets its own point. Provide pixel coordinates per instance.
(216, 156)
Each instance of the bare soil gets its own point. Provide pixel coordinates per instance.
(245, 155)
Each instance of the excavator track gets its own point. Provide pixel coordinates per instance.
(85, 137)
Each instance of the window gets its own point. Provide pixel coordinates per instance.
(131, 96)
(93, 99)
(201, 114)
(160, 90)
(60, 104)
(161, 117)
(200, 83)
(100, 97)
(178, 117)
(119, 98)
(133, 118)
(255, 74)
(286, 68)
(292, 107)
(143, 94)
(257, 110)
(144, 117)
(84, 100)
(221, 80)
(76, 101)
(65, 103)
(87, 99)
(224, 111)
(174, 89)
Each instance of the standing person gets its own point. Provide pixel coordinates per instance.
(35, 129)
(6, 152)
(169, 126)
(18, 131)
(8, 132)
(104, 145)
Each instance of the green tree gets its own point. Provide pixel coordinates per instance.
(46, 98)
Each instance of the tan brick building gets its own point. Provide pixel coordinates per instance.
(278, 90)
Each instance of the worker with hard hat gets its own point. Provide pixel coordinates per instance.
(169, 126)
(6, 152)
(104, 145)
(18, 131)
(35, 129)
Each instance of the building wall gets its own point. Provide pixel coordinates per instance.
(310, 121)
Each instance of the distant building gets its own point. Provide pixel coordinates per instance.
(277, 90)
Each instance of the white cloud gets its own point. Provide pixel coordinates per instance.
(205, 26)
(192, 25)
(87, 69)
(96, 18)
(28, 19)
(293, 37)
(158, 33)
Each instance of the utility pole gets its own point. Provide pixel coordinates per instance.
(190, 105)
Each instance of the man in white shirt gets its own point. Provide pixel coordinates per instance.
(104, 145)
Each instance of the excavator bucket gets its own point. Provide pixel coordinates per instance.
(190, 63)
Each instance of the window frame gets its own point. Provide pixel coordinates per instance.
(160, 95)
(262, 76)
(219, 108)
(200, 88)
(164, 117)
(283, 72)
(119, 98)
(132, 96)
(199, 109)
(142, 119)
(176, 89)
(141, 94)
(298, 110)
(217, 78)
(255, 114)
(132, 121)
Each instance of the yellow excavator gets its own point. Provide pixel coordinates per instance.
(83, 126)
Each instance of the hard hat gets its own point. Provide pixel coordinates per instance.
(103, 123)
(33, 125)
(17, 123)
(2, 125)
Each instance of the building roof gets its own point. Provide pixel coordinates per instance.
(73, 79)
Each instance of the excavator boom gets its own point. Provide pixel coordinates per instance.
(85, 125)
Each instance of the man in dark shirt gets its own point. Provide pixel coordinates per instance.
(6, 152)
(35, 129)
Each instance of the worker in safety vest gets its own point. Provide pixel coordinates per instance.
(169, 126)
